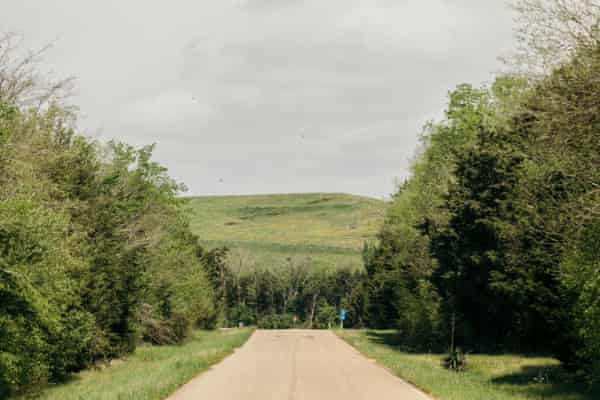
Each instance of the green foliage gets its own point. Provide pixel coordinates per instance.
(491, 235)
(44, 333)
(294, 295)
(494, 295)
(456, 360)
(162, 330)
(327, 316)
(276, 321)
(581, 270)
(399, 268)
(89, 233)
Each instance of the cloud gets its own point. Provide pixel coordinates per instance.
(262, 5)
(270, 95)
(166, 110)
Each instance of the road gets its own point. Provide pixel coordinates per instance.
(297, 365)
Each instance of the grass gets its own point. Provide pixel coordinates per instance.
(152, 372)
(489, 377)
(331, 229)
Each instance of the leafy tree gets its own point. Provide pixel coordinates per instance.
(44, 332)
(95, 244)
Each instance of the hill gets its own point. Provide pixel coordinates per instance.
(267, 229)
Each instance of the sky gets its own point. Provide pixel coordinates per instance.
(267, 96)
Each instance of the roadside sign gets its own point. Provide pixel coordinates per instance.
(342, 317)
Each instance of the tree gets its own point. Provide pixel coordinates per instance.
(21, 83)
(94, 238)
(550, 32)
(581, 269)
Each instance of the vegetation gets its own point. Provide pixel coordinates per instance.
(294, 296)
(264, 230)
(96, 253)
(284, 261)
(492, 244)
(489, 376)
(151, 372)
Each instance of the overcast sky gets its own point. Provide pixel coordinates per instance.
(267, 96)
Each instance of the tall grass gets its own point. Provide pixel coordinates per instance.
(152, 372)
(329, 228)
(489, 377)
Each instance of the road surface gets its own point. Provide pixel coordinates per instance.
(297, 365)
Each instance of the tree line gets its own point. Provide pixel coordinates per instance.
(96, 254)
(493, 243)
(292, 295)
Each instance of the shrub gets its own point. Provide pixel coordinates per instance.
(276, 321)
(241, 313)
(162, 331)
(180, 327)
(455, 361)
(326, 316)
(44, 333)
(581, 270)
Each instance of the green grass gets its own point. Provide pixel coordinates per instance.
(331, 229)
(489, 377)
(152, 372)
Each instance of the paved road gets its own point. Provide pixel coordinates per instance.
(297, 365)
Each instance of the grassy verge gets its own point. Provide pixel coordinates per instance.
(151, 373)
(490, 377)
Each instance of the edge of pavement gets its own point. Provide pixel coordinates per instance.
(421, 392)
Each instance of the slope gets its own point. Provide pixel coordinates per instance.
(328, 229)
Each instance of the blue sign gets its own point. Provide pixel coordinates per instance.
(342, 314)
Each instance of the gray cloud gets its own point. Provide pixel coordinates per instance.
(269, 95)
(261, 5)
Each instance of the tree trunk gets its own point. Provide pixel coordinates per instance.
(312, 309)
(453, 328)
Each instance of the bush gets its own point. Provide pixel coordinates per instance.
(71, 351)
(276, 321)
(158, 331)
(326, 316)
(180, 326)
(44, 333)
(241, 313)
(23, 354)
(581, 270)
(455, 361)
(37, 344)
(209, 320)
(419, 317)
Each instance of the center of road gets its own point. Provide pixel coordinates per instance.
(297, 365)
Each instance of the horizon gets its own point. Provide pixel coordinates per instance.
(286, 194)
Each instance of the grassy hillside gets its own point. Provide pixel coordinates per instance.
(266, 229)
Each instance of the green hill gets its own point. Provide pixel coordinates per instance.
(267, 229)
